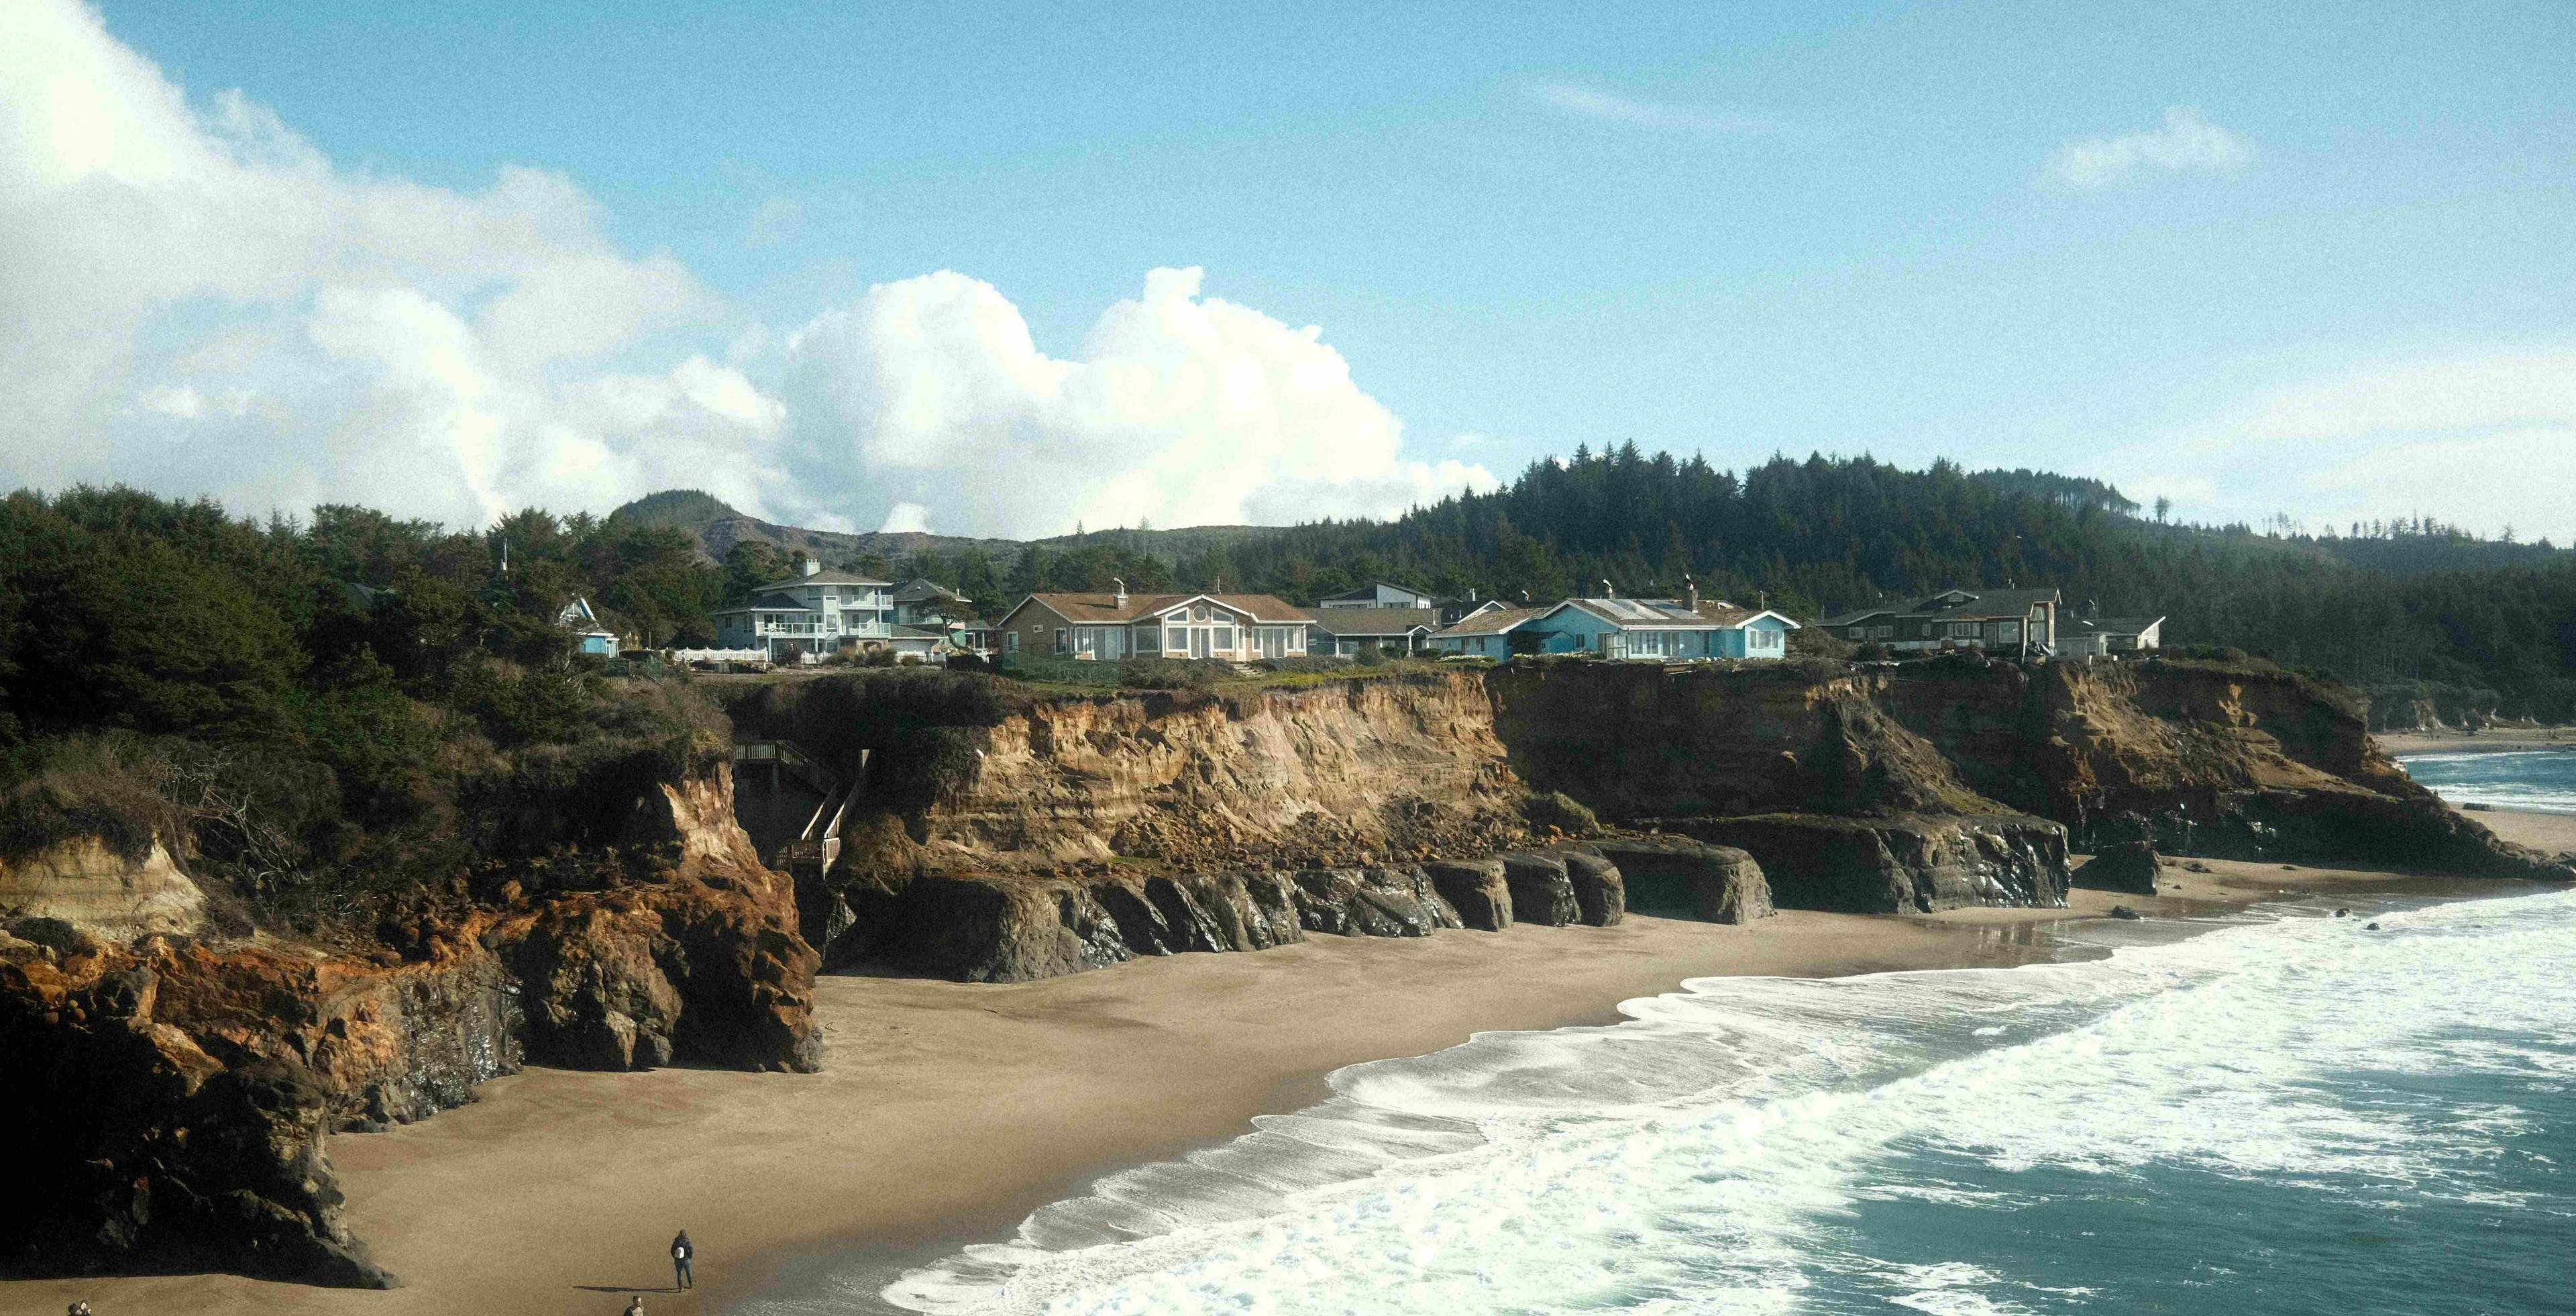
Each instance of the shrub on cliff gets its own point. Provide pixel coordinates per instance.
(1561, 811)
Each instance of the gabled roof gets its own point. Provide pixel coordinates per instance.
(823, 578)
(2107, 625)
(768, 602)
(1633, 613)
(1491, 623)
(1369, 591)
(921, 589)
(1734, 618)
(1958, 605)
(1107, 608)
(1339, 622)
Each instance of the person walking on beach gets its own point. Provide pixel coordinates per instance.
(634, 1306)
(682, 1252)
(77, 1309)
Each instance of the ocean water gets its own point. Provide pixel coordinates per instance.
(2291, 1113)
(2542, 781)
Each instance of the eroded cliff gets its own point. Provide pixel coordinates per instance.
(169, 1088)
(1017, 835)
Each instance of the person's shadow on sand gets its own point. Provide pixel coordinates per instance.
(627, 1288)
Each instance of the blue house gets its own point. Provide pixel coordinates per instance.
(1748, 632)
(588, 635)
(1654, 630)
(1486, 633)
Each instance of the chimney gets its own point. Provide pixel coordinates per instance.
(1122, 591)
(1690, 594)
(813, 566)
(1608, 591)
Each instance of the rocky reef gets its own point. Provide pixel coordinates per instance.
(169, 1088)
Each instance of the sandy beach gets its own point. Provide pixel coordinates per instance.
(2499, 740)
(949, 1110)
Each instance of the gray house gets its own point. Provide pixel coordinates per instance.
(1993, 620)
(810, 615)
(1343, 632)
(1378, 595)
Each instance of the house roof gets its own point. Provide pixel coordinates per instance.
(1626, 613)
(1977, 605)
(1491, 623)
(1369, 591)
(2108, 625)
(1732, 617)
(1338, 622)
(823, 578)
(768, 602)
(1106, 608)
(921, 589)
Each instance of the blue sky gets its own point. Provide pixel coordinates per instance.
(2309, 258)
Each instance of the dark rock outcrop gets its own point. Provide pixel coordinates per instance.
(1905, 864)
(1477, 889)
(1600, 889)
(2130, 867)
(1542, 893)
(1672, 875)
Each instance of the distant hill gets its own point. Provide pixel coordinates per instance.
(718, 527)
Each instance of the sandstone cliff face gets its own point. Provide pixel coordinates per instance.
(1335, 773)
(999, 840)
(85, 882)
(169, 1096)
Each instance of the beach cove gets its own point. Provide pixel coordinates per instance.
(949, 1111)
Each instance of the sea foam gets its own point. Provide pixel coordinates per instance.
(1711, 1154)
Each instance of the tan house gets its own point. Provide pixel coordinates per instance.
(1240, 627)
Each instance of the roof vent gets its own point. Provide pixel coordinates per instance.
(1608, 591)
(1690, 594)
(1122, 590)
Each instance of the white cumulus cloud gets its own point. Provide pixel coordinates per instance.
(1177, 408)
(2481, 438)
(194, 299)
(2187, 143)
(198, 301)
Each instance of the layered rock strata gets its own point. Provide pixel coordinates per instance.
(169, 1094)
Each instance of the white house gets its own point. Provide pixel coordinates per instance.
(1119, 625)
(811, 614)
(2096, 636)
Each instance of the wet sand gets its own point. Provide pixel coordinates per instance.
(948, 1111)
(2500, 740)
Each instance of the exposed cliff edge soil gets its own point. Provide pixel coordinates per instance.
(1003, 835)
(1947, 757)
(168, 1089)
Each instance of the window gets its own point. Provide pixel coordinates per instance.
(1199, 613)
(1063, 640)
(1883, 632)
(1225, 638)
(1176, 639)
(1011, 641)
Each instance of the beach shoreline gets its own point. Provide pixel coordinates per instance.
(2497, 740)
(947, 1111)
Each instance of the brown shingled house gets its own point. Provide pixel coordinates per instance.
(1240, 627)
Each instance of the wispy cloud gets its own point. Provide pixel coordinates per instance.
(2187, 143)
(1594, 103)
